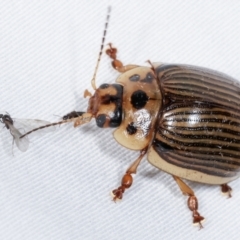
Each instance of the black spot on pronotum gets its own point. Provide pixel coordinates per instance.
(100, 120)
(104, 85)
(131, 129)
(134, 78)
(139, 99)
(149, 78)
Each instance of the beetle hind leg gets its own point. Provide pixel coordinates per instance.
(117, 64)
(127, 179)
(192, 201)
(226, 190)
(193, 206)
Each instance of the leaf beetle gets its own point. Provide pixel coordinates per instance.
(184, 118)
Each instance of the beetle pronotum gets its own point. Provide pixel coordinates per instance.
(184, 118)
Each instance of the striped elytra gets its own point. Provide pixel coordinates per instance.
(197, 134)
(190, 83)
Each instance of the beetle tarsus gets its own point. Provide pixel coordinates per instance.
(226, 190)
(127, 179)
(118, 193)
(112, 53)
(197, 219)
(193, 206)
(192, 201)
(126, 183)
(117, 64)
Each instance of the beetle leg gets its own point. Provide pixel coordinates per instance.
(192, 201)
(127, 179)
(226, 190)
(117, 64)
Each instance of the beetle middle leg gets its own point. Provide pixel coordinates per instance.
(192, 201)
(117, 64)
(127, 179)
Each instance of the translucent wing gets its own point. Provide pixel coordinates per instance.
(18, 127)
(22, 143)
(27, 125)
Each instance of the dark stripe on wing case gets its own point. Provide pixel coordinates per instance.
(208, 168)
(202, 136)
(223, 130)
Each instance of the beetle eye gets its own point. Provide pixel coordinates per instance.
(100, 120)
(7, 118)
(104, 85)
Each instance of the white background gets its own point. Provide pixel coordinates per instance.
(59, 188)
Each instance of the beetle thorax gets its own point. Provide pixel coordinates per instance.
(106, 105)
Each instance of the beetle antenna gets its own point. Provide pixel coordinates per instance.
(101, 49)
(78, 119)
(47, 125)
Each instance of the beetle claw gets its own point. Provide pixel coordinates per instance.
(118, 193)
(226, 190)
(198, 219)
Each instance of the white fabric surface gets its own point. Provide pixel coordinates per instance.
(59, 188)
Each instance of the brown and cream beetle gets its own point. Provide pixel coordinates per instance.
(185, 119)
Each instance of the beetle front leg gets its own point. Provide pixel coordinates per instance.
(192, 201)
(226, 190)
(117, 64)
(127, 179)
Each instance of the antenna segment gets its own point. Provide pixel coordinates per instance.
(93, 82)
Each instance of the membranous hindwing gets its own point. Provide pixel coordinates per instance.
(141, 103)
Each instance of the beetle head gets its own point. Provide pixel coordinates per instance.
(106, 105)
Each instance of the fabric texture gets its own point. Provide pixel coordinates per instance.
(60, 187)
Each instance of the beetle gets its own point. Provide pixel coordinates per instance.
(184, 118)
